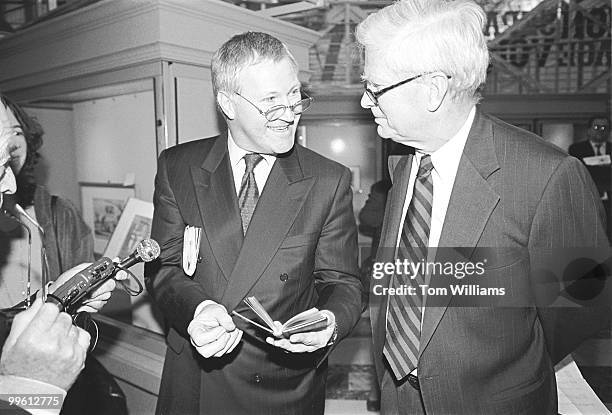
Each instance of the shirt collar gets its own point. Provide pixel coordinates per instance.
(446, 159)
(236, 153)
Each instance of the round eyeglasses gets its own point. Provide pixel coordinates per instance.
(277, 111)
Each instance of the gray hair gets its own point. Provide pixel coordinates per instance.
(413, 37)
(244, 50)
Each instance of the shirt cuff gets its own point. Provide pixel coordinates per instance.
(331, 317)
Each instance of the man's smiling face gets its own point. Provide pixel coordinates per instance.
(265, 84)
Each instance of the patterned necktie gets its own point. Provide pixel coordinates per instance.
(404, 318)
(249, 194)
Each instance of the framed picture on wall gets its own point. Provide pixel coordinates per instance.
(102, 205)
(134, 226)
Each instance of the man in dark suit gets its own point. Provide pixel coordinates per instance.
(492, 194)
(595, 152)
(276, 223)
(597, 143)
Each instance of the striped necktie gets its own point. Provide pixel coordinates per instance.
(403, 335)
(249, 194)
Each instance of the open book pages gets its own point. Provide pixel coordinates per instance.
(309, 320)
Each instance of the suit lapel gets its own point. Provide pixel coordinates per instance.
(588, 149)
(400, 169)
(214, 190)
(279, 204)
(471, 203)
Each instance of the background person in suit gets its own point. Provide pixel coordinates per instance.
(372, 213)
(282, 231)
(371, 218)
(597, 144)
(474, 182)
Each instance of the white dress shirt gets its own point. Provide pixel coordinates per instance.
(599, 149)
(445, 162)
(261, 170)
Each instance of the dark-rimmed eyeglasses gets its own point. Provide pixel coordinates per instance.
(277, 111)
(374, 95)
(597, 127)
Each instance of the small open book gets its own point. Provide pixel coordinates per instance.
(309, 320)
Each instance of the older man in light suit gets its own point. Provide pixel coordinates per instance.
(276, 223)
(481, 185)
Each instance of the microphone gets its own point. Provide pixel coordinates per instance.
(68, 295)
(146, 251)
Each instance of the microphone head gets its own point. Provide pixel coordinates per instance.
(147, 250)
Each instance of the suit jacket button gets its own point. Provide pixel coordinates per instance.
(284, 277)
(257, 378)
(200, 259)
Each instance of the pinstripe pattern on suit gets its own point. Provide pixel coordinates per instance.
(517, 192)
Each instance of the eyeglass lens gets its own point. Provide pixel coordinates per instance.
(299, 107)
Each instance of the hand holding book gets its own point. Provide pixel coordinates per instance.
(307, 331)
(306, 321)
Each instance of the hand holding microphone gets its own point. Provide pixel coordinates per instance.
(43, 344)
(93, 302)
(96, 280)
(87, 287)
(94, 283)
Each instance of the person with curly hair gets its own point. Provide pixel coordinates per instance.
(68, 240)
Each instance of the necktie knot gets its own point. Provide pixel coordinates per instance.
(426, 166)
(251, 160)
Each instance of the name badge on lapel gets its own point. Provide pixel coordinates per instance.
(191, 248)
(597, 160)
